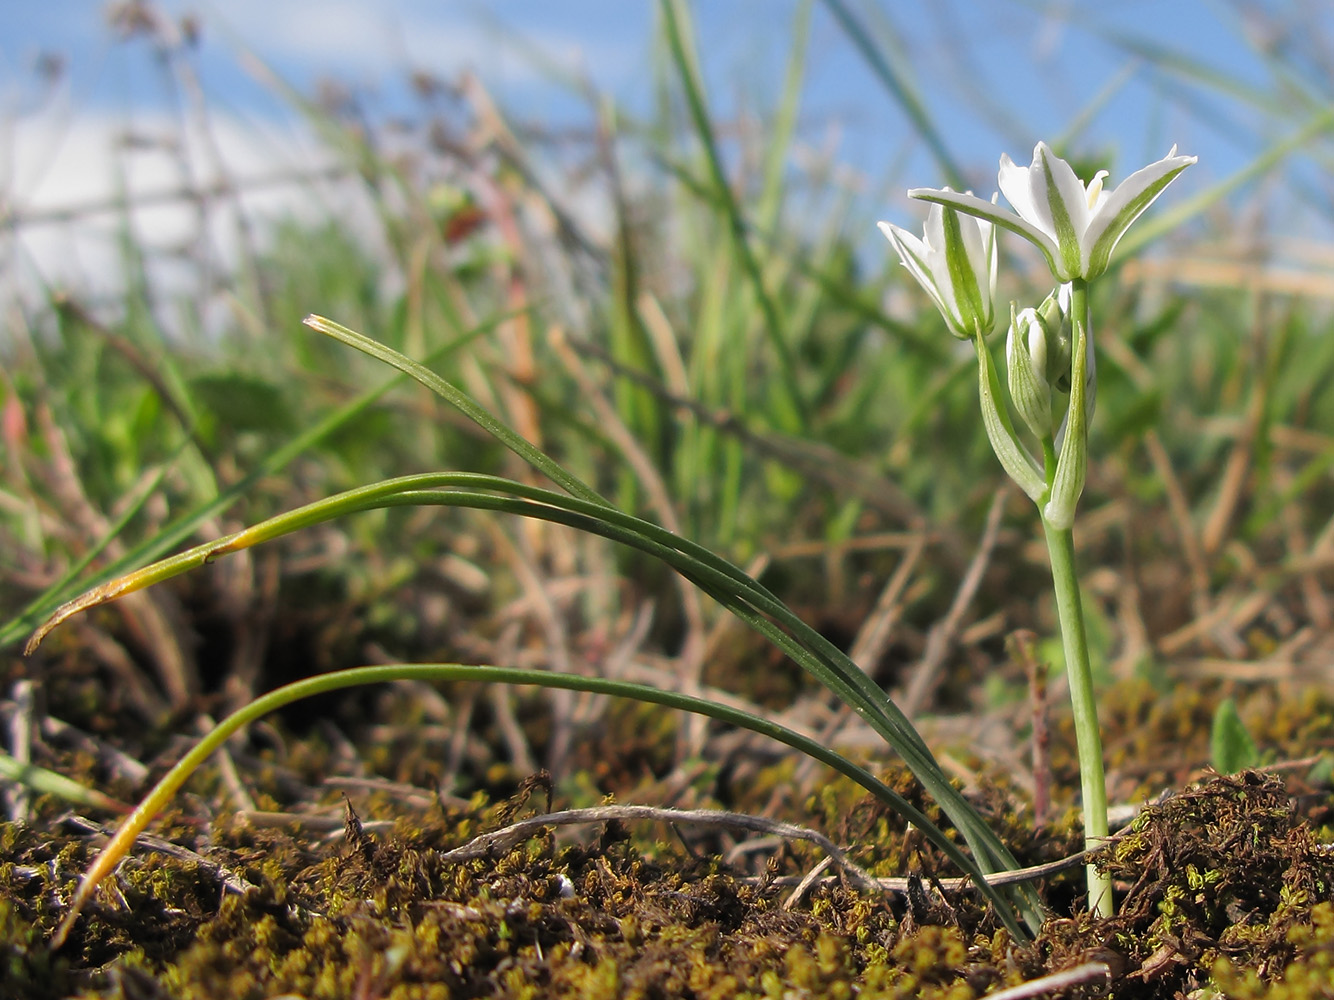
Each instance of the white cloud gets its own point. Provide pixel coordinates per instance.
(72, 180)
(359, 39)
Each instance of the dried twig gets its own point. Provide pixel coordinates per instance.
(811, 877)
(1022, 646)
(690, 661)
(504, 839)
(1180, 510)
(20, 748)
(869, 646)
(1087, 973)
(231, 779)
(941, 638)
(231, 881)
(507, 837)
(1232, 482)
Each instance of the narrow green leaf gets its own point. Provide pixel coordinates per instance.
(166, 788)
(1231, 748)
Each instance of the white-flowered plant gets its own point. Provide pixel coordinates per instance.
(1048, 354)
(1075, 225)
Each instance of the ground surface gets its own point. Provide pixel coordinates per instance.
(336, 879)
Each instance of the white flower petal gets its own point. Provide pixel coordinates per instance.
(1122, 206)
(956, 265)
(1083, 222)
(1016, 183)
(989, 211)
(1067, 207)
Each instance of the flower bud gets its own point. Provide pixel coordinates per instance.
(1037, 358)
(1055, 315)
(1026, 365)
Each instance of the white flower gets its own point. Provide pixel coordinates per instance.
(1075, 225)
(955, 262)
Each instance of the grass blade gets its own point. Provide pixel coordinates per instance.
(740, 594)
(166, 788)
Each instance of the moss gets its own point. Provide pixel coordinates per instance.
(27, 970)
(1221, 889)
(1307, 977)
(1220, 877)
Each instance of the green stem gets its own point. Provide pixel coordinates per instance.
(1069, 610)
(1088, 740)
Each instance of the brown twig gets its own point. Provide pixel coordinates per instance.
(1180, 510)
(1022, 646)
(690, 660)
(1231, 485)
(504, 839)
(230, 880)
(941, 637)
(20, 747)
(870, 644)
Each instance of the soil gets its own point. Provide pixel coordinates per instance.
(335, 881)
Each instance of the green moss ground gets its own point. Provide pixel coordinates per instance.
(1224, 886)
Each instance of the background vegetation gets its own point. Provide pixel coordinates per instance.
(681, 308)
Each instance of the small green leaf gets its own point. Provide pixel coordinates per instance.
(1230, 745)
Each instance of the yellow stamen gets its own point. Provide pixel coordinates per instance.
(1095, 188)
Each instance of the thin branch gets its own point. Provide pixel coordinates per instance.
(1087, 973)
(488, 844)
(941, 638)
(504, 839)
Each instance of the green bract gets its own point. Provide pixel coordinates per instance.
(1076, 226)
(1014, 458)
(1067, 483)
(955, 262)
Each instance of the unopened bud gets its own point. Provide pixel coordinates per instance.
(1027, 354)
(1055, 314)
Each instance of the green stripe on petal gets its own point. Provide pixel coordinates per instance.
(969, 300)
(1065, 218)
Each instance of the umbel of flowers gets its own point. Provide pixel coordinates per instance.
(1050, 369)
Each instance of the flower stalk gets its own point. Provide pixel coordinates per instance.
(1088, 737)
(1058, 515)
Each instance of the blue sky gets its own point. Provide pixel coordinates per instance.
(995, 75)
(987, 69)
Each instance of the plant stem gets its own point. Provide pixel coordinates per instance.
(1088, 740)
(1066, 480)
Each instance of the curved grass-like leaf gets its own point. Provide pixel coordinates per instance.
(716, 576)
(162, 793)
(829, 664)
(585, 509)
